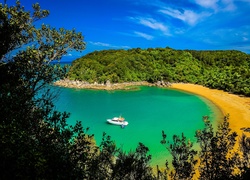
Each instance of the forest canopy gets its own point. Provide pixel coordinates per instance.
(227, 70)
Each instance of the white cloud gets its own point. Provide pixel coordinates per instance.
(186, 16)
(151, 23)
(144, 35)
(245, 39)
(244, 0)
(100, 44)
(217, 5)
(108, 45)
(228, 5)
(207, 3)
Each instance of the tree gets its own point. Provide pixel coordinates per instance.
(28, 68)
(101, 166)
(217, 159)
(134, 165)
(183, 157)
(35, 139)
(245, 160)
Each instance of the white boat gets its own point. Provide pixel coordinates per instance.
(118, 121)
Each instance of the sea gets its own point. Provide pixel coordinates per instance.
(148, 110)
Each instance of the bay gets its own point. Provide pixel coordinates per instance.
(149, 111)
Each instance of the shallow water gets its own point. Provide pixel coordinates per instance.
(148, 110)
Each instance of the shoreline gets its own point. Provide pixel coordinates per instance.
(107, 86)
(236, 106)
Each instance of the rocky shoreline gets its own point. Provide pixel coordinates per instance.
(107, 86)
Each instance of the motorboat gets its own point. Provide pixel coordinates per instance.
(118, 121)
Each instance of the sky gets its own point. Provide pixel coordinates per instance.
(126, 24)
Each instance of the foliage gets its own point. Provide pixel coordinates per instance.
(133, 65)
(134, 165)
(101, 165)
(218, 156)
(226, 70)
(217, 159)
(245, 159)
(183, 155)
(109, 162)
(36, 141)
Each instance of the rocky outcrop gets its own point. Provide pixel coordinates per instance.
(163, 84)
(108, 85)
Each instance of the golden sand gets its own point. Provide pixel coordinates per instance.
(236, 106)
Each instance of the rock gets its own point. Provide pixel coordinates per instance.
(108, 83)
(158, 83)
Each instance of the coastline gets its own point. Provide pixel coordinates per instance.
(236, 106)
(107, 86)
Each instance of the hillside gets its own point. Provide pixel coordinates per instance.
(227, 70)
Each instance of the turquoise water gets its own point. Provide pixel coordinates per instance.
(148, 111)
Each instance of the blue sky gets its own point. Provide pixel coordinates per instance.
(178, 24)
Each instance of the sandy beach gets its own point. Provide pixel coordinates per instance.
(236, 106)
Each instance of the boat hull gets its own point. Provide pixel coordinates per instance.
(124, 123)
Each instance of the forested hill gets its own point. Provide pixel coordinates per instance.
(227, 70)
